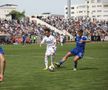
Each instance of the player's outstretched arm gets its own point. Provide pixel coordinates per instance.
(86, 41)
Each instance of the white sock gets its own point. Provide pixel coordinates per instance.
(46, 61)
(52, 60)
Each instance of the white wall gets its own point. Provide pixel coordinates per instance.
(4, 10)
(95, 9)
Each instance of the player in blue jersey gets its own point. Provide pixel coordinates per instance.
(24, 36)
(78, 51)
(2, 64)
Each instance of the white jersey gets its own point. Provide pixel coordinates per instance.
(61, 38)
(51, 44)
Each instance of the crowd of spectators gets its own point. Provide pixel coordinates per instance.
(16, 31)
(95, 30)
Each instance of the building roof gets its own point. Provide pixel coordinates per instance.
(8, 5)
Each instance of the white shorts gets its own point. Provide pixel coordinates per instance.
(50, 51)
(61, 40)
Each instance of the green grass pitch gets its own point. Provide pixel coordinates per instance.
(25, 65)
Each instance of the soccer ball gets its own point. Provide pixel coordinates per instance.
(51, 68)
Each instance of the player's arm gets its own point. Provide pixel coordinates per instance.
(42, 42)
(84, 39)
(88, 41)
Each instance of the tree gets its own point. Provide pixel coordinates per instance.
(16, 15)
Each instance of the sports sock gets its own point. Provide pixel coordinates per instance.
(46, 61)
(75, 64)
(61, 62)
(52, 60)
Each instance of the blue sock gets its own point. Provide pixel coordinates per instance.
(61, 62)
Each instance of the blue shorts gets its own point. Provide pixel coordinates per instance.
(1, 51)
(77, 52)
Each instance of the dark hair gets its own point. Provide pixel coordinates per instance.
(47, 29)
(80, 30)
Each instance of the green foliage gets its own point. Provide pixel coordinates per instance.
(18, 15)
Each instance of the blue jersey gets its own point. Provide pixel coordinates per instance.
(80, 46)
(24, 37)
(1, 50)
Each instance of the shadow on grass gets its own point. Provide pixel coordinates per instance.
(63, 68)
(88, 68)
(60, 68)
(83, 68)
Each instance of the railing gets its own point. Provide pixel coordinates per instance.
(52, 27)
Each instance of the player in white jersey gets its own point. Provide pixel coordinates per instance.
(61, 39)
(50, 41)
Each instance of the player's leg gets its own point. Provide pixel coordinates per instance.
(52, 60)
(70, 53)
(52, 55)
(46, 62)
(75, 60)
(61, 43)
(78, 56)
(47, 54)
(2, 66)
(64, 59)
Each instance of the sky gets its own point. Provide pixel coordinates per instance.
(32, 7)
